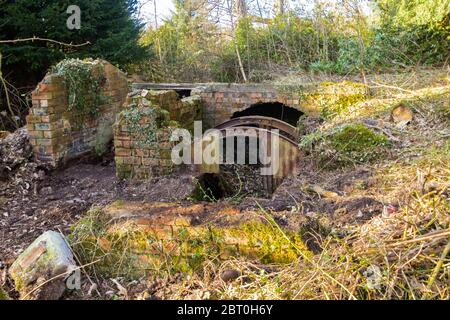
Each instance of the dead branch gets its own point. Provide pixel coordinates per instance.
(45, 40)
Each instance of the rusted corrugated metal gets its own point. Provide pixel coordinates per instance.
(289, 153)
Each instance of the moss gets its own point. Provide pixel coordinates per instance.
(117, 204)
(3, 295)
(266, 243)
(131, 252)
(346, 144)
(143, 123)
(124, 171)
(103, 138)
(443, 107)
(331, 99)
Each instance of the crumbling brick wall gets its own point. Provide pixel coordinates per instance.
(221, 101)
(185, 111)
(142, 132)
(51, 128)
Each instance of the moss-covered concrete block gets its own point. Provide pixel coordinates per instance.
(41, 270)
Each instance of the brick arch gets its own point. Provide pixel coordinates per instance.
(222, 101)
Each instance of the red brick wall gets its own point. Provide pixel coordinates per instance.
(139, 160)
(52, 131)
(221, 101)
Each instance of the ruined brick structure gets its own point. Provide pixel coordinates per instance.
(221, 101)
(143, 129)
(140, 122)
(51, 127)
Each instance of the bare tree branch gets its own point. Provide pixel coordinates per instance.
(45, 40)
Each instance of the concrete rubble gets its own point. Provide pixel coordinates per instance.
(41, 271)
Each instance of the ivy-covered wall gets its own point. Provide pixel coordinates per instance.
(74, 108)
(143, 129)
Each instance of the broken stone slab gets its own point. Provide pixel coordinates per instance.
(41, 271)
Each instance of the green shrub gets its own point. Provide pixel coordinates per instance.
(3, 295)
(346, 144)
(323, 66)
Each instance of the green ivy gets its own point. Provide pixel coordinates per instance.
(83, 80)
(145, 133)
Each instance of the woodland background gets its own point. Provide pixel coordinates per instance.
(220, 40)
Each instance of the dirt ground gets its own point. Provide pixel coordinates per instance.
(34, 199)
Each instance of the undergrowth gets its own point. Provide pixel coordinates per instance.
(346, 144)
(3, 295)
(402, 253)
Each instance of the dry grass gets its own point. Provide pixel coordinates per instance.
(398, 256)
(401, 254)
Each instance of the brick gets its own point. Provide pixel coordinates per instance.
(150, 162)
(41, 96)
(126, 144)
(47, 142)
(49, 118)
(45, 150)
(39, 111)
(141, 153)
(123, 152)
(137, 160)
(30, 126)
(52, 134)
(123, 137)
(128, 160)
(166, 145)
(36, 134)
(34, 119)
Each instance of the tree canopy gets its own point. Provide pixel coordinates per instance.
(230, 40)
(110, 26)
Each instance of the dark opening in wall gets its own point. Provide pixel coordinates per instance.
(211, 187)
(234, 183)
(184, 93)
(275, 110)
